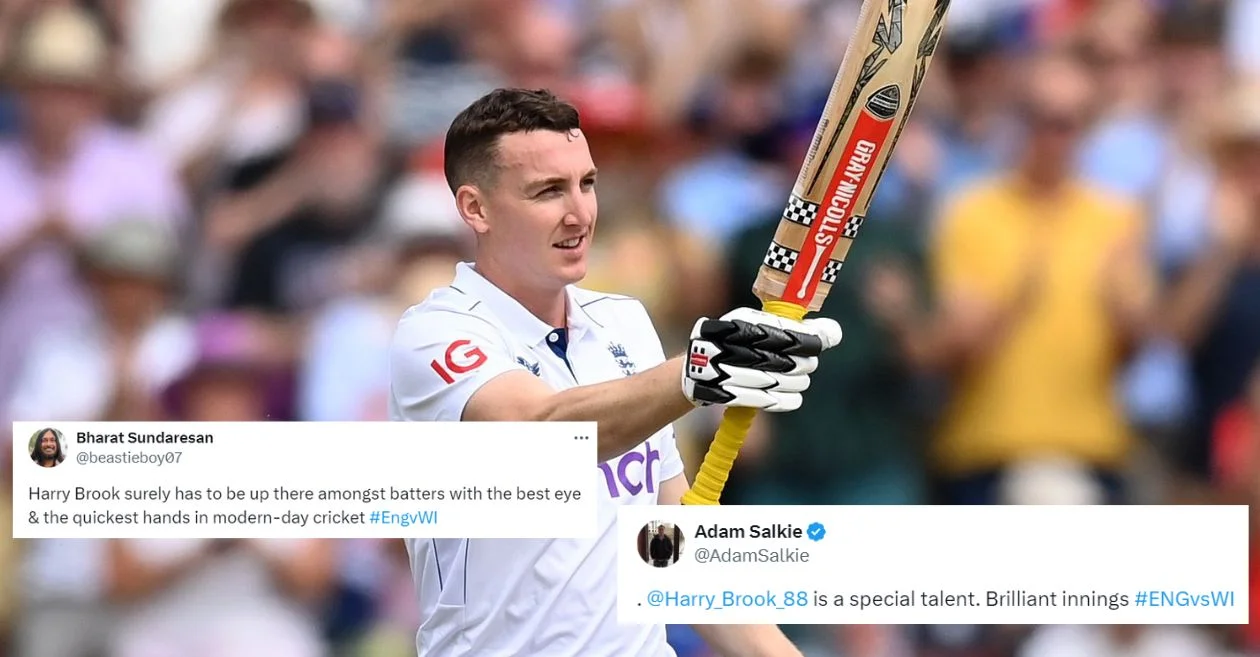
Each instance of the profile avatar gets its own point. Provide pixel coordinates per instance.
(46, 448)
(660, 544)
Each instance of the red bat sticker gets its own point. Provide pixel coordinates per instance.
(836, 217)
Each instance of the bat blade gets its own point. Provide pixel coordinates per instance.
(879, 80)
(870, 100)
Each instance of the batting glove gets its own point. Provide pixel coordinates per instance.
(754, 359)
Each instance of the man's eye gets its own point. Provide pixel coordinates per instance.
(549, 191)
(589, 183)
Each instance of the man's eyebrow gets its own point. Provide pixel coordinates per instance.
(556, 180)
(545, 182)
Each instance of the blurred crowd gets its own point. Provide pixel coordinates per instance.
(217, 209)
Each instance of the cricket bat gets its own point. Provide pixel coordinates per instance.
(879, 80)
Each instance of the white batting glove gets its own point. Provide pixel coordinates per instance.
(754, 359)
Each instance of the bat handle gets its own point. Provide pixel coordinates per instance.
(731, 432)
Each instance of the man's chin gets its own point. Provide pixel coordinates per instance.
(573, 272)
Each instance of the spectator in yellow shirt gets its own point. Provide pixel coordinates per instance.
(1041, 288)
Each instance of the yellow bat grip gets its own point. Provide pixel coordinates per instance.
(736, 421)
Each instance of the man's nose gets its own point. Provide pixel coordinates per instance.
(577, 216)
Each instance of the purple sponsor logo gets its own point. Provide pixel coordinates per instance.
(634, 472)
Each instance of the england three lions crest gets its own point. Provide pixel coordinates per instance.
(618, 352)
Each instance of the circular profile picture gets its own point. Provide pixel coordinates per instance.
(660, 544)
(48, 448)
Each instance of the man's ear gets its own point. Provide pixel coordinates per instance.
(472, 208)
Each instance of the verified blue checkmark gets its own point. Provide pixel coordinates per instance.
(816, 531)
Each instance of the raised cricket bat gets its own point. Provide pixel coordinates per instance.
(880, 78)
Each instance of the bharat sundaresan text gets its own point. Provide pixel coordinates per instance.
(135, 437)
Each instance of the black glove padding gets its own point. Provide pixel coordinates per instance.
(755, 359)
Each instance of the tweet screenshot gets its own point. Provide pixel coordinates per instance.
(1008, 565)
(299, 480)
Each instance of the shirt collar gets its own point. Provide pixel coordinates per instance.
(519, 320)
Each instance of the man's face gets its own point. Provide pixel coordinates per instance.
(1056, 113)
(48, 444)
(273, 33)
(1054, 132)
(51, 109)
(539, 214)
(342, 163)
(1192, 73)
(130, 300)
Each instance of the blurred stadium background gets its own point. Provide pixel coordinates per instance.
(216, 209)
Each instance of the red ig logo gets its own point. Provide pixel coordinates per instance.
(459, 360)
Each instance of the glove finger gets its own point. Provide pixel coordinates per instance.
(791, 383)
(741, 377)
(731, 395)
(773, 402)
(767, 336)
(784, 402)
(828, 331)
(730, 355)
(802, 366)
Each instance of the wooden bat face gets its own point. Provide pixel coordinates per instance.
(872, 97)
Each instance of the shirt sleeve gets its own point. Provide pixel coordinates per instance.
(671, 459)
(439, 359)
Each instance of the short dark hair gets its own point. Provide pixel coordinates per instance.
(472, 140)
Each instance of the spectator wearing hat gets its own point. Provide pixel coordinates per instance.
(238, 373)
(68, 174)
(114, 365)
(111, 365)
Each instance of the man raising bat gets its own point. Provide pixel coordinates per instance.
(514, 338)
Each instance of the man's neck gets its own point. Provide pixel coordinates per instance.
(1043, 184)
(550, 306)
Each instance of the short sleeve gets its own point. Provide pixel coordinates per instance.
(671, 458)
(439, 359)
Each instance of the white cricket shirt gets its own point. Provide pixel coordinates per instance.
(527, 598)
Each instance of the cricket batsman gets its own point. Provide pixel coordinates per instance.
(514, 339)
